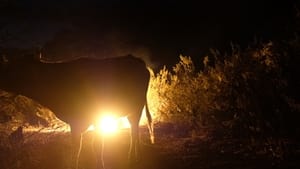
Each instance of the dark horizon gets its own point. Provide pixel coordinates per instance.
(159, 30)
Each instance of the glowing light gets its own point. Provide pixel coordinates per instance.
(108, 124)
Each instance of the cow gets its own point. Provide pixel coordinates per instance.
(76, 90)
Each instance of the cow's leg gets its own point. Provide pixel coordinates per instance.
(76, 149)
(97, 144)
(76, 135)
(134, 141)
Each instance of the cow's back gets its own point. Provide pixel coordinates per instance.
(79, 89)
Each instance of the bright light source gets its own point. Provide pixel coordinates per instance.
(108, 124)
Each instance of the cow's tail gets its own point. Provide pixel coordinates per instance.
(150, 123)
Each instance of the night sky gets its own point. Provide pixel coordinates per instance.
(157, 30)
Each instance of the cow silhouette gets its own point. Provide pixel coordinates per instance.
(76, 90)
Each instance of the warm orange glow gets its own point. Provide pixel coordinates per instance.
(143, 120)
(108, 124)
(124, 123)
(91, 128)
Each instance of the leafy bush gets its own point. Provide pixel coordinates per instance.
(245, 91)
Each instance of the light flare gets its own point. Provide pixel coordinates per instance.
(108, 124)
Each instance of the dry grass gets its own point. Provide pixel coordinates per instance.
(42, 150)
(53, 150)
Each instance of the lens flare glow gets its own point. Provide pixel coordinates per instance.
(108, 124)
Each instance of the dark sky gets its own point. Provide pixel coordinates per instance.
(159, 30)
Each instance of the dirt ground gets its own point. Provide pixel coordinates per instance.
(52, 150)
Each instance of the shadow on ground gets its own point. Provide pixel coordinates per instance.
(53, 150)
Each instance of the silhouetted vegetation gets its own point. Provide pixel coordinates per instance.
(247, 91)
(251, 92)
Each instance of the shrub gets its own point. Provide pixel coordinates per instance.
(244, 91)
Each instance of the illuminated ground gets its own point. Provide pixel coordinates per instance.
(50, 150)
